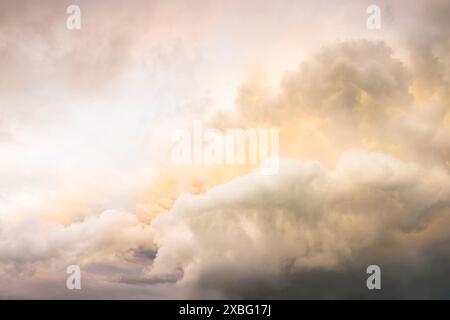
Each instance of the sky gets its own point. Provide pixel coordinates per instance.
(88, 116)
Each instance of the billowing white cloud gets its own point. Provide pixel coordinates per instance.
(261, 228)
(86, 119)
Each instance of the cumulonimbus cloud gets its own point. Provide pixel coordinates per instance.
(313, 216)
(364, 136)
(305, 218)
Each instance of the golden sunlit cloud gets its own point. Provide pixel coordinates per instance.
(88, 115)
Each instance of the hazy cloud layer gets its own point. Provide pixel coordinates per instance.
(86, 119)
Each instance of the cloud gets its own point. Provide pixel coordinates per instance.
(86, 119)
(257, 229)
(385, 184)
(29, 243)
(423, 29)
(351, 94)
(348, 81)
